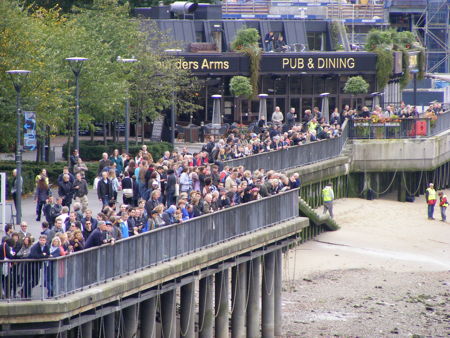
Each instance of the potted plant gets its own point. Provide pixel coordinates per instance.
(240, 87)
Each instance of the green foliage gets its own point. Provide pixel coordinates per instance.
(240, 86)
(245, 37)
(92, 151)
(385, 61)
(421, 64)
(40, 39)
(404, 39)
(404, 80)
(356, 85)
(31, 169)
(382, 43)
(378, 38)
(247, 42)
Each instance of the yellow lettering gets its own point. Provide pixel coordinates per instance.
(226, 65)
(320, 63)
(285, 62)
(351, 63)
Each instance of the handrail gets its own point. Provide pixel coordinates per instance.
(399, 128)
(294, 156)
(57, 277)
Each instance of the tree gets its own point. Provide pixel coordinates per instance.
(247, 42)
(356, 85)
(240, 87)
(40, 39)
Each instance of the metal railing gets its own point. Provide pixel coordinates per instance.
(399, 128)
(295, 156)
(441, 124)
(57, 277)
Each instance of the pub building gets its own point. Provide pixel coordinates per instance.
(294, 78)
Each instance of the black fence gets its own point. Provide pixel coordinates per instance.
(296, 156)
(56, 277)
(399, 128)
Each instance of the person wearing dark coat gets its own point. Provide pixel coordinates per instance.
(40, 250)
(127, 183)
(170, 187)
(65, 190)
(88, 218)
(104, 189)
(52, 210)
(65, 172)
(98, 236)
(41, 195)
(74, 158)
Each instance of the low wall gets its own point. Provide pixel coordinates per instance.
(404, 154)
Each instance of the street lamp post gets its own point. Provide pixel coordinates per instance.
(127, 108)
(173, 115)
(76, 63)
(414, 72)
(18, 78)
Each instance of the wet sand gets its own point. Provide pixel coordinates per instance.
(385, 273)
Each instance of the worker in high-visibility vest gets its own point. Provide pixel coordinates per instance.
(443, 203)
(328, 197)
(430, 197)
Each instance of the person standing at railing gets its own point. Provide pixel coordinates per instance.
(277, 117)
(268, 42)
(328, 197)
(430, 198)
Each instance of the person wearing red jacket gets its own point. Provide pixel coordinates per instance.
(443, 203)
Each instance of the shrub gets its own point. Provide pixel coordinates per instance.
(356, 85)
(92, 151)
(31, 169)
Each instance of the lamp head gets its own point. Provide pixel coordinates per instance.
(76, 63)
(131, 60)
(18, 77)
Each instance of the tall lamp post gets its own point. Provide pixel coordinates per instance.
(76, 63)
(127, 105)
(18, 78)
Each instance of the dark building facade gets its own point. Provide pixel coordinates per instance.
(293, 78)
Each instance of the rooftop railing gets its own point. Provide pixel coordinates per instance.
(57, 277)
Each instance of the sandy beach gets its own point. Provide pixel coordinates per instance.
(385, 273)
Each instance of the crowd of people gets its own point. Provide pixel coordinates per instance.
(155, 193)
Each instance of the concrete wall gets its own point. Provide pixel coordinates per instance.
(406, 154)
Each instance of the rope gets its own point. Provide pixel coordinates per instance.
(235, 288)
(265, 279)
(389, 186)
(137, 317)
(220, 296)
(418, 186)
(171, 324)
(249, 275)
(102, 327)
(207, 281)
(183, 334)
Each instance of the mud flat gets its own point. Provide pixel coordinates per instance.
(385, 273)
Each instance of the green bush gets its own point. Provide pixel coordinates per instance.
(31, 169)
(92, 151)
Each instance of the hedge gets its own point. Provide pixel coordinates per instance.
(31, 169)
(92, 151)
